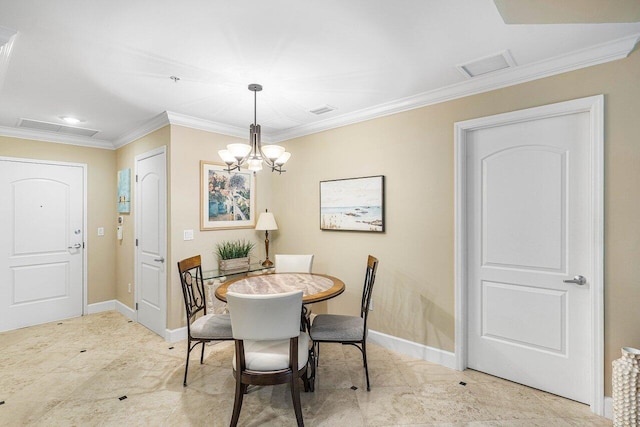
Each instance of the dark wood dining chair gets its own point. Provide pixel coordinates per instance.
(347, 330)
(270, 349)
(201, 326)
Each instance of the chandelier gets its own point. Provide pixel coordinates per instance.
(254, 153)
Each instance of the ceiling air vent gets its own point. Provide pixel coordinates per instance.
(323, 109)
(486, 65)
(54, 127)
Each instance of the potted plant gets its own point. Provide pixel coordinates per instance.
(233, 255)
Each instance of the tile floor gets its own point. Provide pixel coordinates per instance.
(74, 372)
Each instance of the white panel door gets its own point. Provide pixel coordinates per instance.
(528, 225)
(42, 228)
(151, 232)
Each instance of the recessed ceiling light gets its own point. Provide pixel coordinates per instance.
(71, 120)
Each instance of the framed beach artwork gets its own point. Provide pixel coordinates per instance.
(227, 200)
(124, 191)
(354, 204)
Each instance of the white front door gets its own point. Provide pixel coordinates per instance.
(529, 224)
(151, 237)
(42, 229)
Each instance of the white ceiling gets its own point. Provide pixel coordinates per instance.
(108, 62)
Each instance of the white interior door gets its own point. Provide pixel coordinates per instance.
(42, 228)
(529, 223)
(151, 237)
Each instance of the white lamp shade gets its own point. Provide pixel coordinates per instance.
(239, 151)
(283, 158)
(226, 156)
(266, 221)
(272, 151)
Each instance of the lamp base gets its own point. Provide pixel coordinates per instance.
(267, 263)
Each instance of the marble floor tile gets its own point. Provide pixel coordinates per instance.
(104, 370)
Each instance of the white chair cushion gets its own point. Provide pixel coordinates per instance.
(273, 355)
(212, 326)
(336, 327)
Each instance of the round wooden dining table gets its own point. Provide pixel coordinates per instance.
(315, 287)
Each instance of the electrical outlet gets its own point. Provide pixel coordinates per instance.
(129, 287)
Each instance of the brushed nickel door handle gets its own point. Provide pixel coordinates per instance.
(578, 280)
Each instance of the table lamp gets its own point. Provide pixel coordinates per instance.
(266, 222)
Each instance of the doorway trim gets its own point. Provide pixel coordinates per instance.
(594, 105)
(85, 236)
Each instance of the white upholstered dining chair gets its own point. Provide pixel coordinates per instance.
(294, 263)
(286, 263)
(270, 349)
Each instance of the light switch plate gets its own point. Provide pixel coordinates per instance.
(100, 231)
(188, 234)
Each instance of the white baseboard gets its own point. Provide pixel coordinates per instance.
(99, 307)
(608, 407)
(410, 348)
(112, 305)
(175, 335)
(126, 310)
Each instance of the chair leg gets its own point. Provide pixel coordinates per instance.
(295, 395)
(237, 403)
(202, 354)
(186, 366)
(305, 380)
(364, 360)
(311, 374)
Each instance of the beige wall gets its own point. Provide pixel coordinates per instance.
(101, 204)
(188, 148)
(125, 248)
(414, 294)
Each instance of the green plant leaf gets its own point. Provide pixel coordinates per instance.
(229, 249)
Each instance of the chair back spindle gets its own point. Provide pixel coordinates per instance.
(190, 271)
(367, 291)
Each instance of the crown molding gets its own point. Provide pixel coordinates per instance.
(206, 125)
(594, 55)
(151, 125)
(55, 137)
(176, 119)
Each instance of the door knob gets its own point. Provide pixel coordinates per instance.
(578, 280)
(76, 246)
(161, 259)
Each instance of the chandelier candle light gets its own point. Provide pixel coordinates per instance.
(266, 222)
(254, 153)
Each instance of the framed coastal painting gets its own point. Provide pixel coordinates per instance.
(227, 200)
(354, 204)
(124, 191)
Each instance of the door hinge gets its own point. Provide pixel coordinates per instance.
(136, 177)
(136, 306)
(136, 242)
(82, 245)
